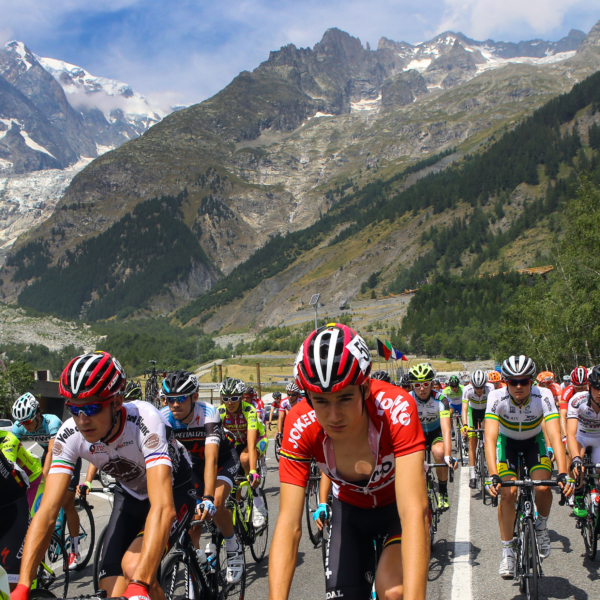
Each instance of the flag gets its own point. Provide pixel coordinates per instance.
(384, 350)
(397, 355)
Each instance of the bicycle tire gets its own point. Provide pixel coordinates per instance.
(262, 471)
(311, 503)
(228, 591)
(258, 547)
(529, 562)
(433, 508)
(277, 448)
(176, 577)
(87, 533)
(458, 441)
(53, 572)
(589, 531)
(482, 466)
(97, 558)
(325, 542)
(40, 593)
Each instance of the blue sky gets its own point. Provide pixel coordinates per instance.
(183, 51)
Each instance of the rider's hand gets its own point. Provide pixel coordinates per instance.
(451, 462)
(566, 484)
(493, 484)
(464, 430)
(21, 592)
(137, 591)
(577, 466)
(83, 489)
(206, 508)
(321, 514)
(254, 479)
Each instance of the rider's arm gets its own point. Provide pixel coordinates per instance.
(553, 433)
(324, 488)
(492, 428)
(546, 438)
(42, 526)
(564, 425)
(271, 414)
(158, 522)
(48, 461)
(30, 463)
(411, 499)
(446, 426)
(465, 412)
(284, 547)
(281, 419)
(572, 438)
(252, 454)
(211, 457)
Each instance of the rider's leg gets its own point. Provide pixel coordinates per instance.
(72, 515)
(437, 449)
(129, 564)
(506, 510)
(389, 578)
(223, 518)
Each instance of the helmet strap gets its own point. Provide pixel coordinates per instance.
(191, 410)
(116, 419)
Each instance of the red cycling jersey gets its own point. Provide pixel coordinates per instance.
(568, 393)
(394, 430)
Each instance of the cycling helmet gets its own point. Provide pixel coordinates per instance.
(405, 380)
(250, 391)
(593, 376)
(420, 373)
(97, 374)
(232, 387)
(180, 383)
(436, 382)
(276, 395)
(133, 391)
(579, 376)
(478, 378)
(545, 377)
(292, 388)
(518, 367)
(382, 376)
(331, 358)
(454, 381)
(494, 377)
(25, 408)
(567, 378)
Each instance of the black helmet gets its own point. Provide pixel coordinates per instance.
(180, 383)
(405, 380)
(454, 381)
(276, 395)
(594, 377)
(133, 391)
(382, 376)
(232, 387)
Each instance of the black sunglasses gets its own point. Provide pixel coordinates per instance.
(516, 382)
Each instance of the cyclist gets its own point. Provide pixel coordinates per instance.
(134, 443)
(14, 509)
(496, 380)
(566, 381)
(434, 414)
(436, 385)
(197, 426)
(454, 391)
(579, 382)
(293, 397)
(513, 424)
(133, 391)
(405, 383)
(251, 397)
(275, 405)
(583, 431)
(475, 396)
(361, 432)
(381, 376)
(31, 425)
(251, 441)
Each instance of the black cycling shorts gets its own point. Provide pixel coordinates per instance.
(128, 520)
(227, 468)
(476, 417)
(350, 555)
(14, 522)
(431, 437)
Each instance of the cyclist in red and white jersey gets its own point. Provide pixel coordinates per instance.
(579, 382)
(275, 405)
(251, 397)
(293, 397)
(361, 432)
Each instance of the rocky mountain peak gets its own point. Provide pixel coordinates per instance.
(339, 45)
(591, 40)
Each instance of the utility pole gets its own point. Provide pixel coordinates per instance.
(314, 301)
(220, 373)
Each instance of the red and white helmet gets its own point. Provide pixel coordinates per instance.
(332, 358)
(579, 376)
(97, 374)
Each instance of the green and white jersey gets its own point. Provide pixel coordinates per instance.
(521, 422)
(454, 398)
(477, 402)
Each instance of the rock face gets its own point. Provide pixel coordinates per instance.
(592, 39)
(403, 89)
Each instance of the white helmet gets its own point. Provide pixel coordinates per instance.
(518, 367)
(25, 408)
(478, 379)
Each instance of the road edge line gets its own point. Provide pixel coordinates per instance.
(462, 571)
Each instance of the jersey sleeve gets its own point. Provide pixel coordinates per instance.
(573, 409)
(65, 451)
(10, 446)
(566, 397)
(17, 430)
(214, 426)
(465, 393)
(548, 405)
(54, 424)
(492, 408)
(296, 452)
(405, 427)
(251, 417)
(155, 441)
(444, 407)
(31, 465)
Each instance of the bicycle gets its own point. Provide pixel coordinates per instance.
(481, 470)
(311, 502)
(182, 570)
(460, 444)
(278, 438)
(433, 496)
(261, 469)
(151, 390)
(100, 545)
(53, 572)
(590, 525)
(242, 508)
(528, 566)
(87, 531)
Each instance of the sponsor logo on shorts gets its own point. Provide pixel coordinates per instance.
(334, 594)
(152, 441)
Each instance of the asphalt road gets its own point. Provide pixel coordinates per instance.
(464, 563)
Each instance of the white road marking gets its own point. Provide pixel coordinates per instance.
(461, 576)
(102, 495)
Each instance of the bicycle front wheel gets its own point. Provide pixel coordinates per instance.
(589, 532)
(258, 547)
(178, 580)
(98, 558)
(53, 572)
(277, 447)
(87, 534)
(529, 562)
(262, 471)
(481, 468)
(228, 591)
(311, 503)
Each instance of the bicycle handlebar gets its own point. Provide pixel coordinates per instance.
(442, 465)
(530, 483)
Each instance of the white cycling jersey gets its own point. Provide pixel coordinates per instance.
(589, 420)
(525, 421)
(477, 402)
(144, 440)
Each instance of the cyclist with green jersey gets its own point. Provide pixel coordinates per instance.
(241, 419)
(513, 426)
(454, 392)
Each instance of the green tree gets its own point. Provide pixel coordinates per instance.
(15, 380)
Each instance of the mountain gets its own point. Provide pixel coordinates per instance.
(290, 141)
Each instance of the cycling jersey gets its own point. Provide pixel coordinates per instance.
(13, 480)
(454, 398)
(475, 401)
(16, 453)
(242, 421)
(525, 421)
(556, 393)
(205, 428)
(144, 440)
(47, 431)
(589, 421)
(567, 394)
(432, 410)
(394, 430)
(287, 405)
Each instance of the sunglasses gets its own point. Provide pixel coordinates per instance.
(89, 410)
(424, 385)
(29, 421)
(178, 399)
(293, 394)
(231, 399)
(517, 382)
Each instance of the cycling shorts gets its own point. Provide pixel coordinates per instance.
(227, 469)
(14, 522)
(457, 408)
(128, 520)
(349, 557)
(590, 441)
(476, 417)
(433, 437)
(534, 455)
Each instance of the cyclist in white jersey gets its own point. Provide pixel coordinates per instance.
(133, 443)
(474, 401)
(583, 431)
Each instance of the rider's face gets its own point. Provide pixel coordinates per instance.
(181, 410)
(232, 406)
(93, 429)
(340, 413)
(423, 390)
(32, 425)
(595, 394)
(519, 392)
(478, 391)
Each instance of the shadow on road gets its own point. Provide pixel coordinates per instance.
(555, 587)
